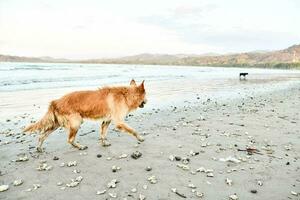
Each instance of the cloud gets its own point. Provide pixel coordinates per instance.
(94, 28)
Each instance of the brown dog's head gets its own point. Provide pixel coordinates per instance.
(140, 93)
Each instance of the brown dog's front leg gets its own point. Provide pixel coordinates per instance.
(125, 128)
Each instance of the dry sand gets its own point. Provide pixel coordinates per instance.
(211, 129)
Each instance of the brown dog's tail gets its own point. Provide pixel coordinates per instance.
(48, 122)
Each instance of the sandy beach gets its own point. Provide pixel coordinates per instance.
(207, 148)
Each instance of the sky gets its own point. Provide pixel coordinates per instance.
(84, 29)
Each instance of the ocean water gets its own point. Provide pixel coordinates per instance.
(25, 84)
(31, 76)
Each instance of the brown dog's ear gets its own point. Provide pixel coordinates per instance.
(142, 85)
(132, 82)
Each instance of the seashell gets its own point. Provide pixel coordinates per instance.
(199, 194)
(192, 186)
(136, 155)
(112, 195)
(123, 156)
(18, 182)
(72, 163)
(133, 190)
(101, 192)
(171, 157)
(152, 179)
(184, 167)
(112, 183)
(142, 197)
(228, 181)
(22, 159)
(233, 197)
(201, 169)
(4, 188)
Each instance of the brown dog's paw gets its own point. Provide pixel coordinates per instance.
(140, 138)
(83, 147)
(39, 149)
(105, 143)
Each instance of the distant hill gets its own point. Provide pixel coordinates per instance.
(286, 58)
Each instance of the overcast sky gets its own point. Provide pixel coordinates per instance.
(112, 28)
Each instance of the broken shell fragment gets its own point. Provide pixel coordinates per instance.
(233, 197)
(184, 167)
(191, 186)
(171, 157)
(44, 167)
(152, 179)
(112, 183)
(228, 181)
(294, 193)
(199, 194)
(18, 182)
(72, 163)
(22, 159)
(101, 192)
(123, 156)
(133, 190)
(136, 155)
(75, 182)
(115, 168)
(4, 188)
(142, 197)
(112, 195)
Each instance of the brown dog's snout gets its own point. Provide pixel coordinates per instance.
(142, 104)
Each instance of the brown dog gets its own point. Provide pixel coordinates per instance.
(107, 104)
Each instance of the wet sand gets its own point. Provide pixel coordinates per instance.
(209, 132)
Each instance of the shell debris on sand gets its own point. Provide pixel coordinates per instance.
(101, 192)
(22, 159)
(148, 168)
(18, 182)
(112, 183)
(112, 195)
(200, 169)
(135, 155)
(233, 197)
(142, 197)
(152, 179)
(192, 186)
(75, 182)
(230, 159)
(294, 193)
(133, 190)
(115, 168)
(36, 186)
(199, 194)
(171, 157)
(44, 167)
(185, 161)
(228, 181)
(123, 156)
(4, 188)
(184, 167)
(72, 163)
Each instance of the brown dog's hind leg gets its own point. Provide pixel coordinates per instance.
(42, 138)
(104, 127)
(74, 124)
(71, 139)
(125, 128)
